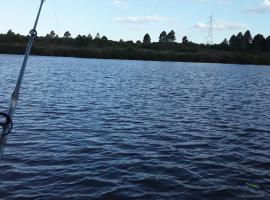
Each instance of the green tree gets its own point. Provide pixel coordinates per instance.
(233, 42)
(224, 44)
(90, 37)
(267, 44)
(82, 40)
(258, 42)
(67, 35)
(248, 37)
(240, 36)
(10, 36)
(52, 34)
(10, 33)
(185, 40)
(240, 41)
(147, 39)
(163, 37)
(171, 36)
(247, 40)
(104, 38)
(97, 36)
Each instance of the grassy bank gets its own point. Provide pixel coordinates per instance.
(131, 53)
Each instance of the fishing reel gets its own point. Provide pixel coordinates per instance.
(5, 123)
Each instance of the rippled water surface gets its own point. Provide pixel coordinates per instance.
(109, 129)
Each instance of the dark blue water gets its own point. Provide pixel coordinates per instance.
(108, 129)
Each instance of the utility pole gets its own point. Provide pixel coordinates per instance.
(210, 30)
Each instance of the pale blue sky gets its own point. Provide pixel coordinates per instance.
(131, 19)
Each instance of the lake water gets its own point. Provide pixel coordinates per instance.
(111, 129)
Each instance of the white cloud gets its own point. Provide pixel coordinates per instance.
(266, 3)
(121, 3)
(221, 26)
(264, 7)
(141, 19)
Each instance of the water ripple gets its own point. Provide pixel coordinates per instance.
(109, 129)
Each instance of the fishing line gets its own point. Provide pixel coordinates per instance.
(55, 17)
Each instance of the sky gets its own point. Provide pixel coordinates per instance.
(132, 19)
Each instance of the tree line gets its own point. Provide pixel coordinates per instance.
(240, 42)
(245, 42)
(239, 48)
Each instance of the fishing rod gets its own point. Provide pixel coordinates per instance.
(7, 123)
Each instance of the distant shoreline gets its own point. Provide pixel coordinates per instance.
(210, 56)
(240, 49)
